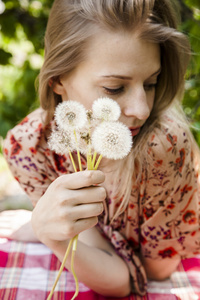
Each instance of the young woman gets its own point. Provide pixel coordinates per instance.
(129, 51)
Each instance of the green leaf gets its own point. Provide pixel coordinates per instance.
(4, 57)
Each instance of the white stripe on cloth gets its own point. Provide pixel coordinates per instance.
(37, 249)
(182, 285)
(37, 279)
(162, 287)
(179, 285)
(28, 248)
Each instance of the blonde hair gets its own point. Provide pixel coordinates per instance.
(71, 25)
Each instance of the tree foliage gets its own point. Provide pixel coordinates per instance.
(190, 12)
(23, 24)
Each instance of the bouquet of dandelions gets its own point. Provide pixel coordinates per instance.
(95, 134)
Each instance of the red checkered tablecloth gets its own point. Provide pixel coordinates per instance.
(28, 271)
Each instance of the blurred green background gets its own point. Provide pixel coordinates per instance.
(22, 26)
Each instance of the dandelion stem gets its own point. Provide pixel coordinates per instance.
(74, 247)
(78, 152)
(94, 158)
(61, 268)
(73, 163)
(98, 162)
(89, 153)
(89, 159)
(72, 243)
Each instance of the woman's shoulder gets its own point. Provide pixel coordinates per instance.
(169, 139)
(25, 152)
(171, 149)
(30, 124)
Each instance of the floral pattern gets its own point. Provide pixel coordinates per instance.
(162, 218)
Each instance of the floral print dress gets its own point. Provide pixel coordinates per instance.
(162, 217)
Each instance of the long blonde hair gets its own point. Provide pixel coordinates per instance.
(71, 25)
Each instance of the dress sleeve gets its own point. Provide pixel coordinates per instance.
(170, 196)
(28, 165)
(25, 149)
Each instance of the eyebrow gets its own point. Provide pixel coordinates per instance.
(118, 77)
(128, 77)
(156, 73)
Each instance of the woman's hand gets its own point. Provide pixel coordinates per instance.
(70, 205)
(16, 225)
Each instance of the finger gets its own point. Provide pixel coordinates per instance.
(80, 179)
(89, 210)
(84, 224)
(82, 196)
(18, 213)
(6, 232)
(84, 211)
(7, 213)
(6, 220)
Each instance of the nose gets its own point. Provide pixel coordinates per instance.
(137, 105)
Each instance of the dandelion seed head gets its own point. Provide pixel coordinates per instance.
(106, 109)
(84, 141)
(70, 114)
(112, 140)
(89, 115)
(86, 137)
(61, 142)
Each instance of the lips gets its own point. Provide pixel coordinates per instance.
(134, 130)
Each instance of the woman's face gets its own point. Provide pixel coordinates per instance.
(120, 66)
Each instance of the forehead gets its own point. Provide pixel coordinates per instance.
(121, 50)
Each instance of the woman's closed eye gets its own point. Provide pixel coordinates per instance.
(150, 86)
(115, 91)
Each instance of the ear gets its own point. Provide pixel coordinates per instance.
(58, 87)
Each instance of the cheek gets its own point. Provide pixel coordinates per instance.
(82, 96)
(72, 92)
(151, 99)
(82, 92)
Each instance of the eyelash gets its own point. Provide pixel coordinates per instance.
(114, 91)
(147, 87)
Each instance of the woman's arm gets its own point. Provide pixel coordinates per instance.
(97, 265)
(160, 269)
(70, 206)
(16, 225)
